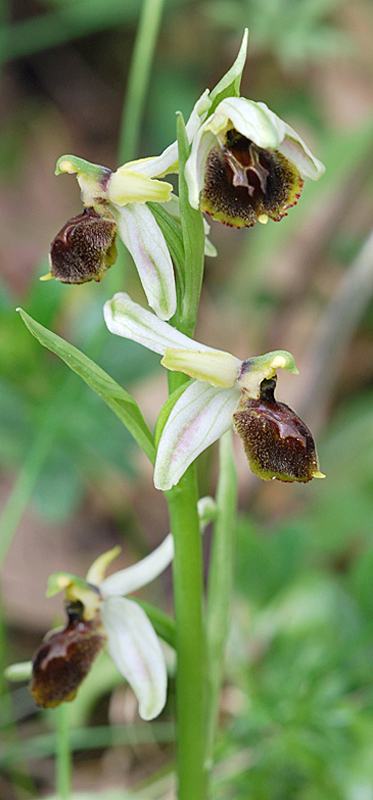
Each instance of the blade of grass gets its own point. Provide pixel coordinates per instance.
(138, 79)
(70, 22)
(87, 738)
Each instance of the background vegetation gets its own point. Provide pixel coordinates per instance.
(297, 708)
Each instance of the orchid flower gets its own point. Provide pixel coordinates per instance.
(225, 391)
(246, 164)
(99, 614)
(85, 247)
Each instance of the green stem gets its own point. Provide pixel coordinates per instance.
(138, 80)
(190, 645)
(63, 767)
(220, 584)
(184, 522)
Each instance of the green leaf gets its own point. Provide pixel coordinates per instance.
(163, 625)
(123, 405)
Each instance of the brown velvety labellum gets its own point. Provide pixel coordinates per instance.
(276, 441)
(244, 182)
(84, 248)
(64, 659)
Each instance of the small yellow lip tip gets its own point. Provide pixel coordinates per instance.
(318, 474)
(66, 166)
(63, 582)
(46, 277)
(263, 219)
(277, 362)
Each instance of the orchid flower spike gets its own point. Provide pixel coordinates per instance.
(246, 164)
(98, 614)
(225, 391)
(116, 202)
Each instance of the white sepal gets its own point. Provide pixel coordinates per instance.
(195, 165)
(295, 149)
(126, 318)
(200, 416)
(253, 120)
(145, 241)
(137, 653)
(132, 578)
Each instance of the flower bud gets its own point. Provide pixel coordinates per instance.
(84, 248)
(65, 657)
(276, 442)
(245, 183)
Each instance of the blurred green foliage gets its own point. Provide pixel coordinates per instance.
(294, 31)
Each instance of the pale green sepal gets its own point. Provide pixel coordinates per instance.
(18, 672)
(137, 653)
(200, 416)
(74, 164)
(129, 186)
(215, 366)
(96, 572)
(229, 85)
(144, 239)
(138, 575)
(123, 405)
(166, 410)
(257, 369)
(126, 318)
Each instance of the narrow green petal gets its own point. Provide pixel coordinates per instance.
(215, 366)
(130, 186)
(133, 578)
(96, 572)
